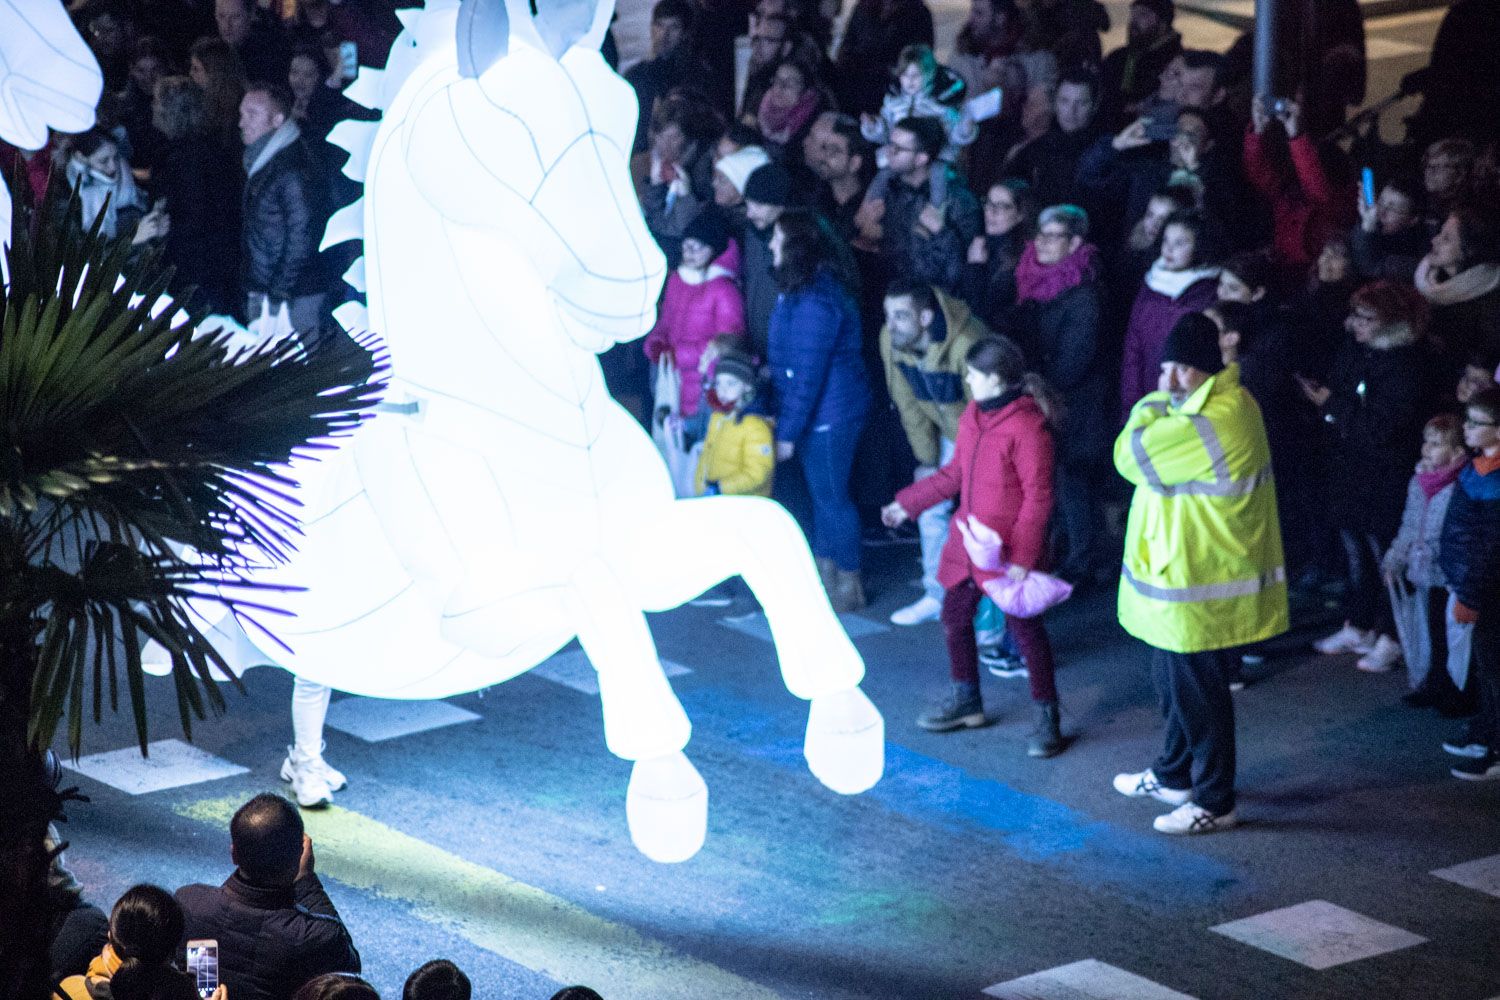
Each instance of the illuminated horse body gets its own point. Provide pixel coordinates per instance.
(505, 503)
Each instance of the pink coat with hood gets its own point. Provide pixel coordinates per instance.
(697, 307)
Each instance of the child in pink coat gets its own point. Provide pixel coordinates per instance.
(701, 302)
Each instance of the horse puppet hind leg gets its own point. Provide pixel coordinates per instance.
(666, 804)
(694, 544)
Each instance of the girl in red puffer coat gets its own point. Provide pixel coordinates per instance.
(1001, 473)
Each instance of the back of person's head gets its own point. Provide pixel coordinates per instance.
(265, 836)
(928, 132)
(1487, 402)
(1236, 317)
(439, 979)
(807, 244)
(145, 927)
(1001, 357)
(1478, 235)
(335, 986)
(576, 993)
(177, 107)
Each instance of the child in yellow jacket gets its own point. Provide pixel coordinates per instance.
(738, 456)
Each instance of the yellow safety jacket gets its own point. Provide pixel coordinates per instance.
(1203, 565)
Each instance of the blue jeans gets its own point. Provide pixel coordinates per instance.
(932, 532)
(827, 456)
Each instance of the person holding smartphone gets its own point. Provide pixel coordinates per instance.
(145, 928)
(1389, 239)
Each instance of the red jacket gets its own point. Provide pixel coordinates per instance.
(1307, 206)
(1001, 473)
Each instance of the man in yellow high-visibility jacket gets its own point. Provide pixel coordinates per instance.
(1203, 570)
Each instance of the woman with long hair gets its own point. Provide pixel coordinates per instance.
(145, 929)
(214, 67)
(820, 392)
(1001, 475)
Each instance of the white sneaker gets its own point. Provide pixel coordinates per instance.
(1346, 640)
(1144, 784)
(923, 609)
(313, 781)
(1379, 660)
(1192, 818)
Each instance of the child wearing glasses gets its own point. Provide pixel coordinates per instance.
(1469, 556)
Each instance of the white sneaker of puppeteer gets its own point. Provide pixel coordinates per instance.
(309, 787)
(1192, 818)
(335, 778)
(1379, 660)
(1346, 640)
(923, 609)
(1144, 784)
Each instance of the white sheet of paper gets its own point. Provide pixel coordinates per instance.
(985, 106)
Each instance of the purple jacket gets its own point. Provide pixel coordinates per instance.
(1151, 319)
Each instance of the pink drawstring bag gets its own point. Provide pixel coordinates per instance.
(1024, 598)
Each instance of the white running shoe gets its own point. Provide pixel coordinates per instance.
(1144, 784)
(313, 780)
(923, 609)
(1346, 640)
(1190, 818)
(1379, 660)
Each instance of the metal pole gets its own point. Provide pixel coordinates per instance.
(1267, 31)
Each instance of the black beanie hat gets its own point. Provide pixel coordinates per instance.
(770, 184)
(1164, 9)
(1194, 341)
(709, 228)
(741, 366)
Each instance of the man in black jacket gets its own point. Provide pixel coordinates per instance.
(275, 926)
(283, 212)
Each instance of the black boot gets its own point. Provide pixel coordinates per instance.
(1046, 739)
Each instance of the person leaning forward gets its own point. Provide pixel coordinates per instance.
(1203, 570)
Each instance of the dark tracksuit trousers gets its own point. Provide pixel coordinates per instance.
(1193, 692)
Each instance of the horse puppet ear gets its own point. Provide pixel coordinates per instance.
(486, 28)
(483, 35)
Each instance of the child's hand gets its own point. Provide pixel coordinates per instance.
(893, 515)
(978, 252)
(931, 219)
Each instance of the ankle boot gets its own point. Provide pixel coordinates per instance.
(848, 592)
(1046, 738)
(827, 572)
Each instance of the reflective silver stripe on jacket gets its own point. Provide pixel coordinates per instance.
(1207, 591)
(1224, 485)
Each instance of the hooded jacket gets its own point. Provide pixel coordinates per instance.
(1203, 566)
(1469, 550)
(1001, 472)
(696, 307)
(1157, 309)
(928, 388)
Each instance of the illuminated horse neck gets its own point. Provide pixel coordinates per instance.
(510, 505)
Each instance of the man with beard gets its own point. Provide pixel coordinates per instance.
(1131, 72)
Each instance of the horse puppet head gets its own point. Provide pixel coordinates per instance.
(530, 141)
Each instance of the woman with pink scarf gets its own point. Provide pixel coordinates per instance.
(790, 104)
(1056, 322)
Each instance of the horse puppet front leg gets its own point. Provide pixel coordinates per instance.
(666, 804)
(689, 545)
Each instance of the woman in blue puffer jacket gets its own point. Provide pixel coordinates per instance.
(821, 395)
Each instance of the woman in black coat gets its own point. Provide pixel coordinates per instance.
(1056, 322)
(988, 280)
(1372, 413)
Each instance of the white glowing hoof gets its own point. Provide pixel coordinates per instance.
(667, 808)
(845, 746)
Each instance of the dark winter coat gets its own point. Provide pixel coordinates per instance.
(814, 353)
(271, 941)
(1049, 163)
(1373, 418)
(758, 279)
(1061, 341)
(1394, 257)
(990, 288)
(1469, 552)
(201, 188)
(873, 39)
(1001, 472)
(283, 225)
(1151, 318)
(937, 259)
(1120, 185)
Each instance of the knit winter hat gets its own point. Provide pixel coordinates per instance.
(741, 366)
(770, 185)
(740, 164)
(1194, 342)
(1164, 9)
(709, 228)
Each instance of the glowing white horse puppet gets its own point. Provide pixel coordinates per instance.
(48, 79)
(506, 504)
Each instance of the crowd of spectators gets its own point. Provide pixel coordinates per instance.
(957, 278)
